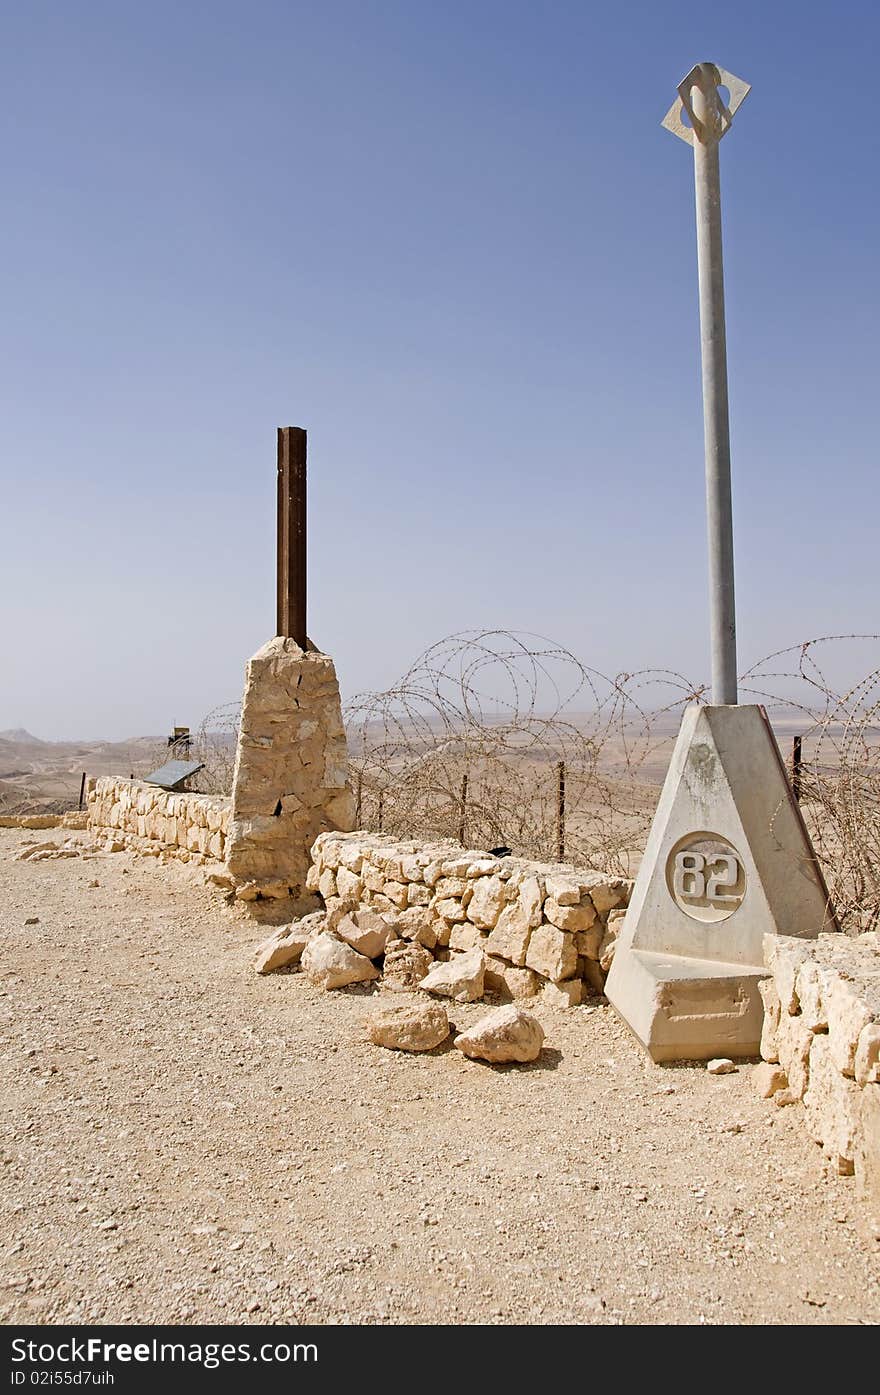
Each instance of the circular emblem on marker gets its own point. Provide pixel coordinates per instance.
(706, 877)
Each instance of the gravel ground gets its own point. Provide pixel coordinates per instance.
(186, 1142)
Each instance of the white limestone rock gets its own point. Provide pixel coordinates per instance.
(783, 955)
(327, 884)
(811, 982)
(461, 978)
(607, 896)
(847, 1015)
(286, 944)
(349, 886)
(349, 854)
(793, 1042)
(331, 963)
(551, 953)
(571, 918)
(449, 908)
(506, 1034)
(416, 1025)
(396, 891)
(487, 902)
(866, 1065)
(768, 1079)
(721, 1065)
(510, 937)
(831, 1105)
(406, 964)
(456, 887)
(417, 923)
(465, 936)
(770, 1028)
(608, 943)
(509, 981)
(366, 932)
(487, 867)
(564, 890)
(568, 993)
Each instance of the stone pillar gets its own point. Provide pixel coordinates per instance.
(291, 767)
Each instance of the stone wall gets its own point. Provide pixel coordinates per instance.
(543, 927)
(193, 827)
(822, 1027)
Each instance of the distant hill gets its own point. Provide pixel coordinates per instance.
(39, 776)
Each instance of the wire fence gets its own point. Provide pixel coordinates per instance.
(503, 739)
(837, 724)
(496, 738)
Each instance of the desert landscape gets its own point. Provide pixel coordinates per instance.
(44, 777)
(498, 946)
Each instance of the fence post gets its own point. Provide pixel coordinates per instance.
(560, 812)
(82, 789)
(796, 765)
(359, 800)
(381, 809)
(462, 809)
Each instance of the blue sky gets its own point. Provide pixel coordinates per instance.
(454, 242)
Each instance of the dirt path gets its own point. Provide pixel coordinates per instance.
(185, 1142)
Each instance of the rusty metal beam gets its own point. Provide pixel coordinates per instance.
(291, 554)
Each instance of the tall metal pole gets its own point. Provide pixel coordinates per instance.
(710, 119)
(291, 555)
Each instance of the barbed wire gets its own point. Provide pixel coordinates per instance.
(470, 742)
(839, 775)
(501, 738)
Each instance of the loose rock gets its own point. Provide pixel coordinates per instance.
(366, 932)
(768, 1078)
(462, 978)
(405, 965)
(331, 963)
(412, 1026)
(286, 944)
(507, 1034)
(721, 1065)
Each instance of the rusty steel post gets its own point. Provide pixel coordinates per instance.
(291, 554)
(796, 765)
(462, 810)
(82, 789)
(710, 119)
(560, 812)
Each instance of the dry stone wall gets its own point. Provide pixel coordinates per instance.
(541, 927)
(192, 827)
(822, 1029)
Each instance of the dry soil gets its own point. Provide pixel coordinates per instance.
(185, 1142)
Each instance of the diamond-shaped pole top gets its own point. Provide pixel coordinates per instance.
(709, 78)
